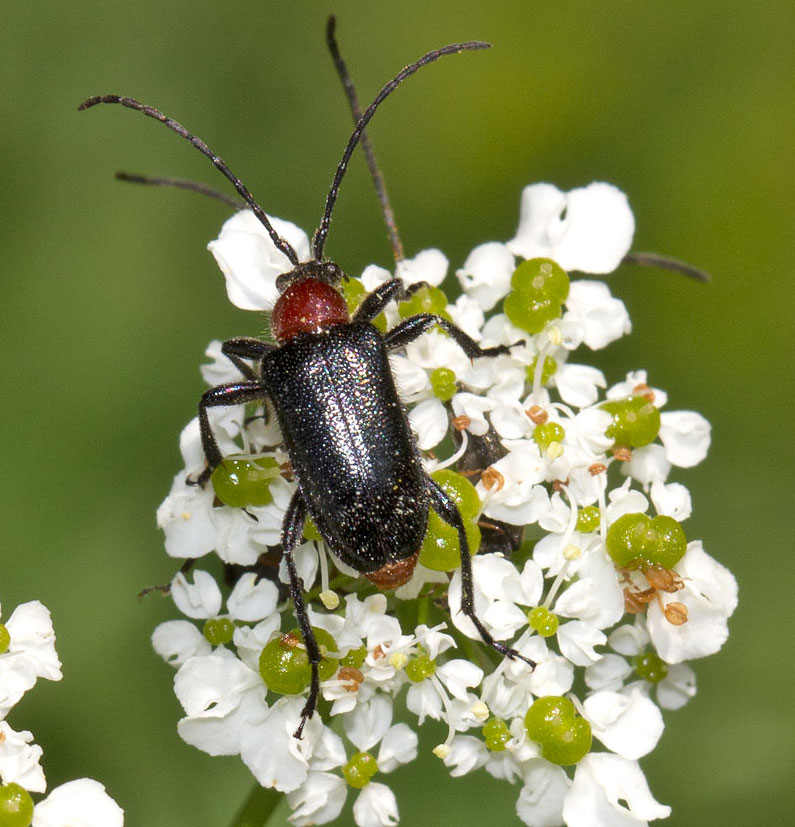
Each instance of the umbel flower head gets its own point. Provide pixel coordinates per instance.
(583, 563)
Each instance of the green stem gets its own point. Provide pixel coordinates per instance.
(257, 808)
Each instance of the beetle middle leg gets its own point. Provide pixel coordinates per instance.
(292, 531)
(409, 329)
(449, 512)
(233, 393)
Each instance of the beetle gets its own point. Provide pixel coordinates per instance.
(358, 470)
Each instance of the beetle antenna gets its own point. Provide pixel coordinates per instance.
(367, 147)
(666, 263)
(180, 184)
(218, 162)
(319, 240)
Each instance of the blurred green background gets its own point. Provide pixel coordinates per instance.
(109, 298)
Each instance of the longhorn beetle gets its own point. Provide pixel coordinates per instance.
(358, 469)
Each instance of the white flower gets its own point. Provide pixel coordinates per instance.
(80, 803)
(486, 274)
(30, 655)
(601, 782)
(594, 314)
(19, 760)
(594, 235)
(710, 594)
(219, 695)
(250, 260)
(628, 724)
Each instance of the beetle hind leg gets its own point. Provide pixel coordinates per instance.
(292, 531)
(448, 511)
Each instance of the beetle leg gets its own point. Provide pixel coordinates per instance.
(409, 329)
(448, 511)
(233, 393)
(292, 531)
(243, 347)
(376, 301)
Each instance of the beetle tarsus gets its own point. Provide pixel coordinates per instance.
(447, 510)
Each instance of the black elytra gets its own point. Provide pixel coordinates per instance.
(357, 466)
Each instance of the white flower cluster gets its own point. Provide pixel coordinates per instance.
(622, 635)
(27, 653)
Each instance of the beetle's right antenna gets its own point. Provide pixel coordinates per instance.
(367, 147)
(319, 241)
(218, 162)
(661, 262)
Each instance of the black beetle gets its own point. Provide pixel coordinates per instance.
(355, 460)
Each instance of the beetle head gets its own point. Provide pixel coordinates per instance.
(326, 271)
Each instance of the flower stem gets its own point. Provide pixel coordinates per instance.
(257, 808)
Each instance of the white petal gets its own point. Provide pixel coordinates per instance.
(609, 673)
(540, 802)
(428, 421)
(368, 723)
(629, 639)
(577, 640)
(467, 753)
(458, 675)
(486, 274)
(467, 314)
(19, 760)
(399, 746)
(596, 597)
(579, 385)
(250, 260)
(200, 599)
(213, 691)
(428, 265)
(32, 635)
(593, 237)
(411, 379)
(306, 564)
(268, 748)
(374, 276)
(318, 800)
(648, 464)
(677, 688)
(375, 806)
(601, 317)
(177, 640)
(540, 227)
(185, 517)
(710, 595)
(424, 701)
(673, 500)
(686, 436)
(251, 600)
(601, 782)
(80, 803)
(630, 725)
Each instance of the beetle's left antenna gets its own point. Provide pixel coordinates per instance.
(180, 184)
(218, 162)
(319, 240)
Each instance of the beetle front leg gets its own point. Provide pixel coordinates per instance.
(409, 329)
(292, 531)
(233, 393)
(449, 512)
(376, 301)
(245, 347)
